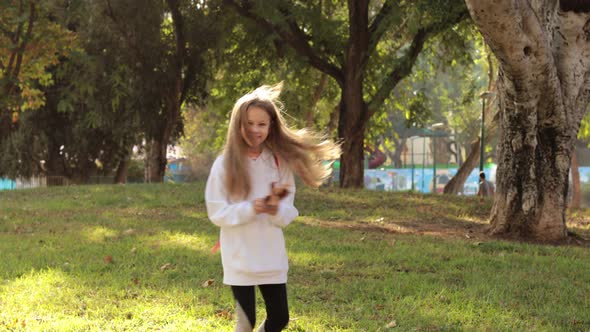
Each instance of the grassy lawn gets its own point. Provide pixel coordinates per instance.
(138, 258)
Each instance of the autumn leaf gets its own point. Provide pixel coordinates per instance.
(208, 282)
(225, 314)
(108, 259)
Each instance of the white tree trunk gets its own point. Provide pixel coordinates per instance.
(543, 87)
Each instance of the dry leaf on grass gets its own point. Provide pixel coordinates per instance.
(225, 314)
(130, 231)
(391, 325)
(167, 266)
(208, 282)
(108, 259)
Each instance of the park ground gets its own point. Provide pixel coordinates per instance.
(138, 258)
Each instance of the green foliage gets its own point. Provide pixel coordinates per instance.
(30, 29)
(584, 131)
(444, 87)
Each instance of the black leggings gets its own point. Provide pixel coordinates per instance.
(275, 299)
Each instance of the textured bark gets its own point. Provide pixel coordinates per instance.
(543, 89)
(155, 162)
(351, 129)
(121, 174)
(353, 108)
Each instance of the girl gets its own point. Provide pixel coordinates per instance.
(261, 153)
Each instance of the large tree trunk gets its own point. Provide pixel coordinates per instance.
(543, 87)
(156, 161)
(353, 108)
(351, 129)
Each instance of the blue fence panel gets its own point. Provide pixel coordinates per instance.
(7, 184)
(400, 179)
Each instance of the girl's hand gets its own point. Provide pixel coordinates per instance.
(260, 206)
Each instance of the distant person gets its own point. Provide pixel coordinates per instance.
(250, 194)
(486, 188)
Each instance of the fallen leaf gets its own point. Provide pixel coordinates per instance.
(224, 314)
(363, 238)
(108, 259)
(391, 325)
(379, 306)
(208, 282)
(135, 281)
(130, 231)
(167, 266)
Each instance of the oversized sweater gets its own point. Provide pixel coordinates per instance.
(252, 246)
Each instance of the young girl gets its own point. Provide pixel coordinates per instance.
(261, 153)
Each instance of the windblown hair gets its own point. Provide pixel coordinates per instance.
(303, 151)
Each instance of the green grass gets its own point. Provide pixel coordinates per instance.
(136, 257)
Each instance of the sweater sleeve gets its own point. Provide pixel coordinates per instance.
(286, 210)
(220, 211)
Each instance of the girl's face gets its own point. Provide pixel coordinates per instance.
(256, 129)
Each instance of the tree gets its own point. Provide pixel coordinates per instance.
(169, 43)
(543, 87)
(30, 41)
(366, 48)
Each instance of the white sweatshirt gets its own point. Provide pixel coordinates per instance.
(252, 246)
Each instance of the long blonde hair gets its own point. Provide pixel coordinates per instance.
(303, 151)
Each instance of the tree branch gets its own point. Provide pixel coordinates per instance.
(380, 25)
(177, 21)
(295, 38)
(15, 40)
(405, 64)
(27, 37)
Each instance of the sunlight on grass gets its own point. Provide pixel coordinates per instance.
(187, 241)
(99, 234)
(137, 258)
